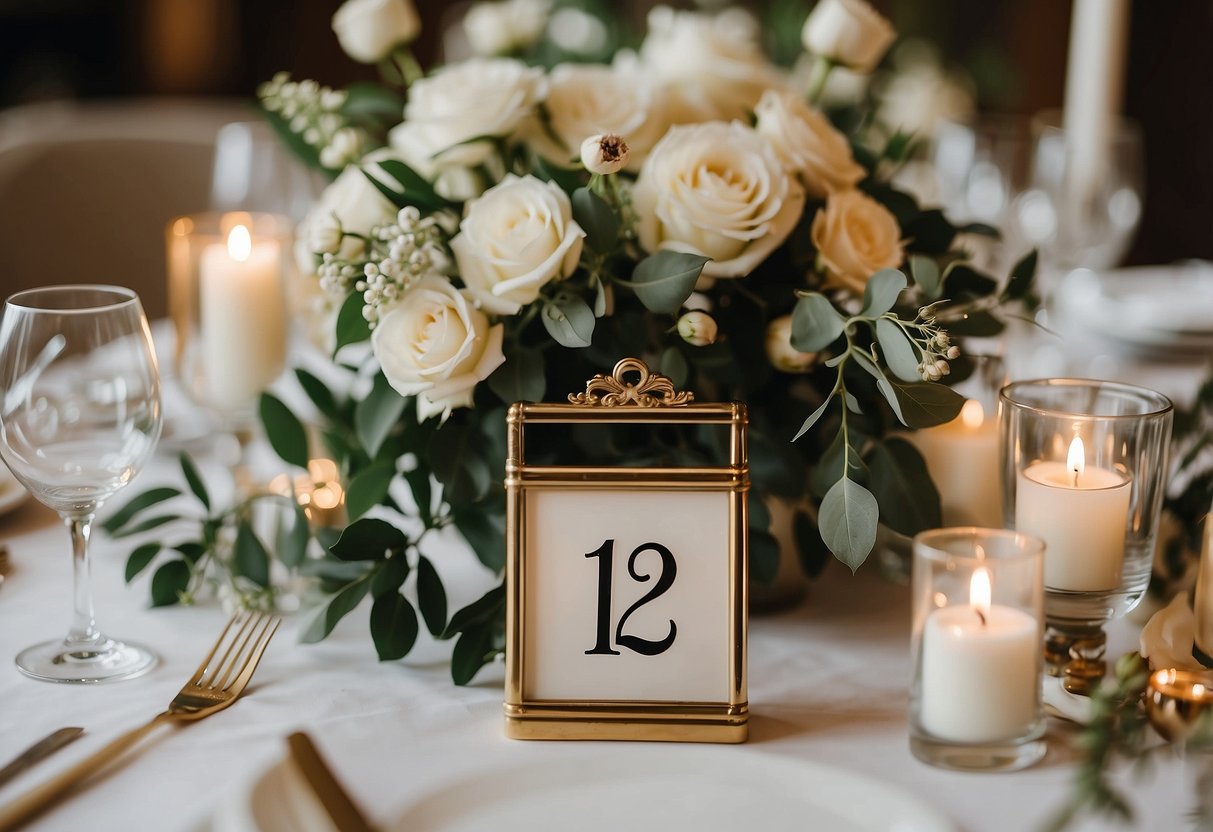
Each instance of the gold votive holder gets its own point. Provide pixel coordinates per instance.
(319, 492)
(1179, 704)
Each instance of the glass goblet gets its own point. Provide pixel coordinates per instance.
(79, 418)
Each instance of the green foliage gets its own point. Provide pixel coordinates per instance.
(816, 324)
(597, 219)
(569, 320)
(663, 281)
(284, 431)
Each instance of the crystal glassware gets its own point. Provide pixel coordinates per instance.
(80, 417)
(1084, 468)
(975, 699)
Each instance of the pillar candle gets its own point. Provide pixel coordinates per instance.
(962, 457)
(242, 319)
(1094, 85)
(1081, 513)
(980, 669)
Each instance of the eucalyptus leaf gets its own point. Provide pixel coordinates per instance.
(377, 414)
(336, 607)
(249, 557)
(194, 481)
(390, 575)
(663, 281)
(569, 320)
(521, 377)
(847, 519)
(284, 430)
(813, 417)
(472, 651)
(168, 582)
(867, 364)
(140, 559)
(764, 557)
(597, 219)
(431, 596)
(319, 394)
(393, 626)
(881, 291)
(927, 404)
(899, 353)
(926, 276)
(815, 323)
(368, 539)
(890, 395)
(369, 488)
(137, 504)
(351, 327)
(908, 499)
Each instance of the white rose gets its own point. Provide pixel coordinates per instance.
(505, 27)
(847, 32)
(719, 191)
(593, 99)
(712, 65)
(697, 328)
(807, 143)
(369, 30)
(855, 237)
(780, 352)
(604, 154)
(350, 203)
(516, 238)
(460, 102)
(434, 344)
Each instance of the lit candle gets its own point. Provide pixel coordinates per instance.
(242, 318)
(1081, 513)
(318, 492)
(962, 457)
(979, 668)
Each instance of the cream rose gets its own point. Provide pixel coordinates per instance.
(807, 143)
(780, 352)
(855, 237)
(461, 102)
(697, 328)
(712, 66)
(719, 191)
(848, 32)
(503, 27)
(515, 239)
(585, 100)
(351, 204)
(435, 345)
(369, 30)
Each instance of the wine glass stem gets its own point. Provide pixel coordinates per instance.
(84, 626)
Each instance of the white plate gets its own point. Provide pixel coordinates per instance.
(672, 789)
(12, 493)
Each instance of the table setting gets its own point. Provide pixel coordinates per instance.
(583, 435)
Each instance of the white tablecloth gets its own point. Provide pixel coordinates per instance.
(828, 683)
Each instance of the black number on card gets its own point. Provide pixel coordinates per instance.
(644, 646)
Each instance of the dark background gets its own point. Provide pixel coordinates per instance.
(1015, 50)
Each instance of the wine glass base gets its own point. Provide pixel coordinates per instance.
(106, 661)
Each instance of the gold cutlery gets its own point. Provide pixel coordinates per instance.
(337, 804)
(219, 680)
(38, 751)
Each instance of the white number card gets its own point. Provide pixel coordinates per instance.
(627, 585)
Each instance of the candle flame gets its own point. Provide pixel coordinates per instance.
(972, 414)
(979, 592)
(1076, 459)
(239, 243)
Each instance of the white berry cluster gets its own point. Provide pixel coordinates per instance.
(395, 257)
(314, 113)
(937, 348)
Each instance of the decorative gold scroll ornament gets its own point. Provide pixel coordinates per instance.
(652, 390)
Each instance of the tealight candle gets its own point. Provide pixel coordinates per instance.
(979, 669)
(962, 457)
(241, 318)
(1080, 512)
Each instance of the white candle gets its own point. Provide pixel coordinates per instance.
(980, 669)
(962, 457)
(1094, 86)
(1081, 514)
(242, 319)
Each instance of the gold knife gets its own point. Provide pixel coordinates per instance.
(38, 751)
(336, 802)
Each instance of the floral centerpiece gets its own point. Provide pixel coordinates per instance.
(500, 230)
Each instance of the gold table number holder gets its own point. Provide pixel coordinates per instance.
(626, 611)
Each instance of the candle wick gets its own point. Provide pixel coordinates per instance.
(1076, 478)
(982, 616)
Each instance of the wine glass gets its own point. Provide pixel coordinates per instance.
(80, 416)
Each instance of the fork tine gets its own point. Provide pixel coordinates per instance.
(206, 679)
(201, 671)
(223, 673)
(254, 657)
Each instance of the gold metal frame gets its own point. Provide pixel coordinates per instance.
(613, 399)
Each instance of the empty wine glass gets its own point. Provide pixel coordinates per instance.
(79, 417)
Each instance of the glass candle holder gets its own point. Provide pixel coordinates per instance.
(975, 698)
(1084, 469)
(226, 298)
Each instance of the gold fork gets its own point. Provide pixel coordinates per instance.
(215, 685)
